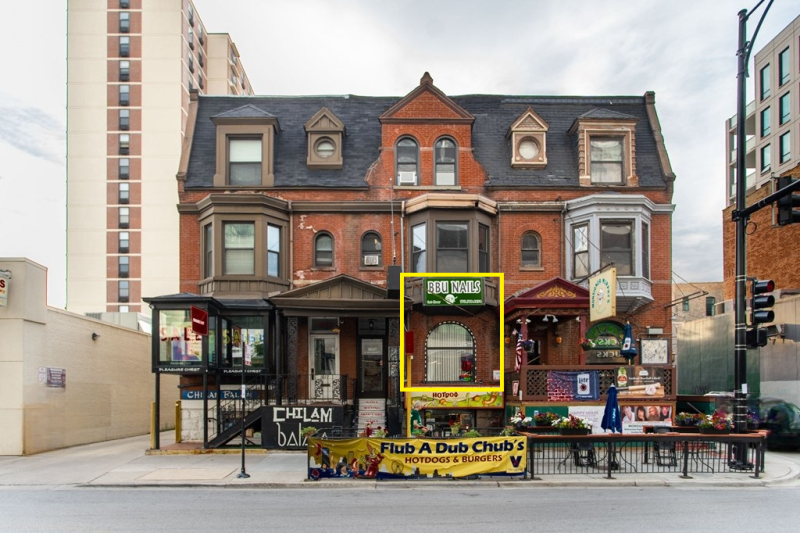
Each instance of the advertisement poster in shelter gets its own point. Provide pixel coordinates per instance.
(636, 416)
(400, 458)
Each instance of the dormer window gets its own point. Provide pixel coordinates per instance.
(325, 132)
(528, 137)
(245, 141)
(606, 147)
(407, 161)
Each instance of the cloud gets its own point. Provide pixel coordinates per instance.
(32, 130)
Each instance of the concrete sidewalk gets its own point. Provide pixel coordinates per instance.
(127, 463)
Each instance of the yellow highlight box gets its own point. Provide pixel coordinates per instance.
(470, 386)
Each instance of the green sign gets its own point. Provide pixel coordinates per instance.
(453, 291)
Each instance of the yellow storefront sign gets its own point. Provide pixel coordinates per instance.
(461, 400)
(392, 458)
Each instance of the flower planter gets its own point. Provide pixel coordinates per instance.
(715, 431)
(573, 431)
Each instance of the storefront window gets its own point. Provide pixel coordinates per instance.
(178, 344)
(244, 337)
(450, 353)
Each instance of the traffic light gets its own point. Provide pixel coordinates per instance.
(787, 206)
(760, 312)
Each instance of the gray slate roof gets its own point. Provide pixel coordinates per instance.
(493, 116)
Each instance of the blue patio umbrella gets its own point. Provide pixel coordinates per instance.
(628, 350)
(612, 418)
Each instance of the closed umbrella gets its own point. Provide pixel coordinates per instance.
(612, 418)
(628, 350)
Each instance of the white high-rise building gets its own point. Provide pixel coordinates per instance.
(131, 65)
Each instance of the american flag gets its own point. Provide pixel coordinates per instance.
(518, 360)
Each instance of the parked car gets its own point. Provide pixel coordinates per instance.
(780, 417)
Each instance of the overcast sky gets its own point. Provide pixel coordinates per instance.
(684, 50)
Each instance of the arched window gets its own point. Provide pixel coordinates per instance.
(323, 250)
(371, 249)
(407, 158)
(450, 354)
(445, 153)
(531, 249)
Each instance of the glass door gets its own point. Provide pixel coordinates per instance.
(372, 377)
(324, 379)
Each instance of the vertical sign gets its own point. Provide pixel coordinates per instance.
(603, 295)
(199, 320)
(5, 281)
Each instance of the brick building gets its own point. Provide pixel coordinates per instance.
(297, 214)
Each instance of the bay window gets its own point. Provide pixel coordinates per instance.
(239, 249)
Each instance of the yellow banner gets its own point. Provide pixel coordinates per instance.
(397, 458)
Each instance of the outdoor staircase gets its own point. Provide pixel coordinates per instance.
(234, 428)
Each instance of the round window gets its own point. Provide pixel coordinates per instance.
(528, 149)
(324, 148)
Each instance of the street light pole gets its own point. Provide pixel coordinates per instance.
(740, 339)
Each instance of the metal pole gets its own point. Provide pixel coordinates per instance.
(157, 415)
(243, 474)
(740, 340)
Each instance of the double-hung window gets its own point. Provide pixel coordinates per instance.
(606, 159)
(124, 266)
(124, 119)
(273, 250)
(124, 95)
(124, 291)
(239, 244)
(124, 168)
(124, 143)
(244, 160)
(765, 127)
(530, 249)
(580, 251)
(124, 46)
(616, 246)
(452, 247)
(419, 239)
(124, 217)
(766, 156)
(407, 155)
(445, 152)
(323, 250)
(124, 70)
(371, 249)
(124, 242)
(124, 193)
(124, 22)
(208, 250)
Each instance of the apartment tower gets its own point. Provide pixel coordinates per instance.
(131, 65)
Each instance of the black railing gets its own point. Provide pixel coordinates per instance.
(643, 454)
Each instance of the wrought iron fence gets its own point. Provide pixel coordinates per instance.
(643, 454)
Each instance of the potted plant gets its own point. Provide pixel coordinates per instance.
(519, 420)
(572, 425)
(688, 419)
(545, 419)
(455, 428)
(587, 344)
(308, 431)
(716, 423)
(472, 433)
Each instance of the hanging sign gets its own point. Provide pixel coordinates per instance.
(5, 282)
(603, 295)
(199, 320)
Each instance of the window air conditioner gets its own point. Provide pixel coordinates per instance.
(407, 178)
(371, 260)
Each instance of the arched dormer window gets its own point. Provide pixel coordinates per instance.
(531, 249)
(371, 254)
(323, 250)
(407, 161)
(445, 154)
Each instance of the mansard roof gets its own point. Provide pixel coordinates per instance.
(491, 117)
